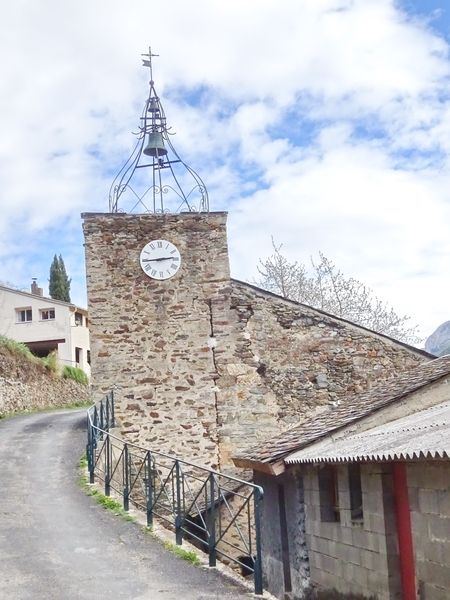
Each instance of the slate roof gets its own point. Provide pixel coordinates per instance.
(421, 435)
(348, 410)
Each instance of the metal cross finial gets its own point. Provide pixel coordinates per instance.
(148, 63)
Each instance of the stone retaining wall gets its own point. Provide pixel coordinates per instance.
(27, 386)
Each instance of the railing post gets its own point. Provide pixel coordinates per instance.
(149, 491)
(107, 466)
(126, 479)
(102, 420)
(212, 523)
(257, 495)
(90, 450)
(113, 422)
(178, 517)
(107, 413)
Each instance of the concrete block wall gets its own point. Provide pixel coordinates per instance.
(429, 497)
(351, 556)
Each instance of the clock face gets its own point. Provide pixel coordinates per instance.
(160, 259)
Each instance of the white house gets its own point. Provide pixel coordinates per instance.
(45, 324)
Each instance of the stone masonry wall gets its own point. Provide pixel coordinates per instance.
(204, 366)
(29, 386)
(429, 498)
(153, 340)
(279, 360)
(354, 557)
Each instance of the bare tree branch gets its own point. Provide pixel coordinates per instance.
(324, 286)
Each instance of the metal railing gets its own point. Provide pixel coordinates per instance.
(218, 513)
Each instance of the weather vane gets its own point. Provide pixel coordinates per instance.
(154, 178)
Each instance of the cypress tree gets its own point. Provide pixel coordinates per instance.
(59, 283)
(65, 279)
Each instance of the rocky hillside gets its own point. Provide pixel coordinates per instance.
(439, 342)
(26, 384)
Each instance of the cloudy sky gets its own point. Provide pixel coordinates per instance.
(322, 123)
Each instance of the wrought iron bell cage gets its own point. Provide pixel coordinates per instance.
(132, 190)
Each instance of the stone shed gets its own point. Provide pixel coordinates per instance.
(357, 499)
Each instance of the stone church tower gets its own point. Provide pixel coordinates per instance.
(153, 338)
(202, 365)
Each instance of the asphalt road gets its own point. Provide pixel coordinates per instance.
(56, 543)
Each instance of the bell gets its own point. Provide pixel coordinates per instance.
(155, 146)
(153, 105)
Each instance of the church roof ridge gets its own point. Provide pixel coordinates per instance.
(328, 315)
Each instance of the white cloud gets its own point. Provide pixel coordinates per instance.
(325, 123)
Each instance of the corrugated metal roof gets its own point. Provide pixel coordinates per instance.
(347, 411)
(424, 434)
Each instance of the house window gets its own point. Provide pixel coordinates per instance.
(78, 319)
(88, 357)
(328, 494)
(78, 352)
(354, 483)
(47, 314)
(24, 315)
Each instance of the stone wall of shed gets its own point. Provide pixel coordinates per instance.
(429, 498)
(354, 557)
(280, 360)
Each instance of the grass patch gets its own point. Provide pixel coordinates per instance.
(111, 504)
(188, 555)
(107, 502)
(179, 551)
(18, 348)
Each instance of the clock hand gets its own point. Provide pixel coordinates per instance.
(156, 259)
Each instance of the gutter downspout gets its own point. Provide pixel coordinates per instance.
(404, 533)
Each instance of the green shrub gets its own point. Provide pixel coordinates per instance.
(50, 362)
(75, 373)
